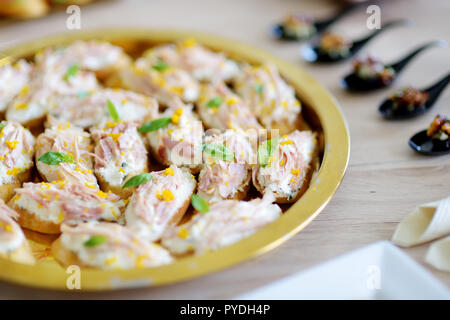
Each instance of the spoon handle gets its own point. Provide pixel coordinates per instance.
(435, 90)
(358, 44)
(398, 66)
(322, 25)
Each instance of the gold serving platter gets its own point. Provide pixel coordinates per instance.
(320, 110)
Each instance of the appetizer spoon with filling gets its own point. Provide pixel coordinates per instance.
(333, 47)
(370, 74)
(410, 103)
(302, 27)
(435, 140)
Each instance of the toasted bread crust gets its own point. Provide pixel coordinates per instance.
(21, 255)
(65, 257)
(7, 189)
(304, 186)
(31, 221)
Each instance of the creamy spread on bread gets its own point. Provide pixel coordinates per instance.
(120, 152)
(11, 235)
(156, 205)
(111, 246)
(16, 151)
(225, 223)
(62, 201)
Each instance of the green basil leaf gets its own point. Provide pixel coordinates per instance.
(83, 94)
(214, 102)
(154, 125)
(218, 151)
(54, 158)
(71, 72)
(2, 124)
(259, 87)
(138, 180)
(96, 240)
(266, 150)
(160, 66)
(199, 204)
(113, 111)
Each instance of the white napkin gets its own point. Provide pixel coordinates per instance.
(425, 223)
(438, 255)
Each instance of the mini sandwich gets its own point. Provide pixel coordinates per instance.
(200, 62)
(106, 245)
(285, 165)
(102, 58)
(159, 202)
(120, 154)
(226, 173)
(160, 80)
(43, 207)
(223, 224)
(175, 137)
(270, 98)
(90, 109)
(13, 78)
(220, 108)
(13, 244)
(64, 152)
(16, 157)
(39, 95)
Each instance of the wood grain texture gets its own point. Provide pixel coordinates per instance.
(385, 178)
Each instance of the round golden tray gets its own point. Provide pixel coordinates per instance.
(320, 110)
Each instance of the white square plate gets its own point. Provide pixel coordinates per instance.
(378, 271)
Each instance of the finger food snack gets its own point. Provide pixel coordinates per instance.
(285, 165)
(16, 157)
(175, 137)
(120, 154)
(225, 223)
(106, 245)
(90, 109)
(13, 244)
(200, 62)
(159, 203)
(64, 152)
(43, 206)
(226, 172)
(13, 78)
(220, 108)
(271, 98)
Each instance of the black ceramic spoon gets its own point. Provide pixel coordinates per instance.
(354, 82)
(281, 32)
(316, 54)
(389, 111)
(423, 144)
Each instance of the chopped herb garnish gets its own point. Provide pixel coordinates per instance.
(138, 180)
(71, 72)
(199, 204)
(266, 150)
(2, 124)
(154, 125)
(218, 151)
(83, 94)
(54, 158)
(259, 88)
(160, 66)
(113, 111)
(95, 241)
(215, 102)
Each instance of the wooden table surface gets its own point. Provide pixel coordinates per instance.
(385, 178)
